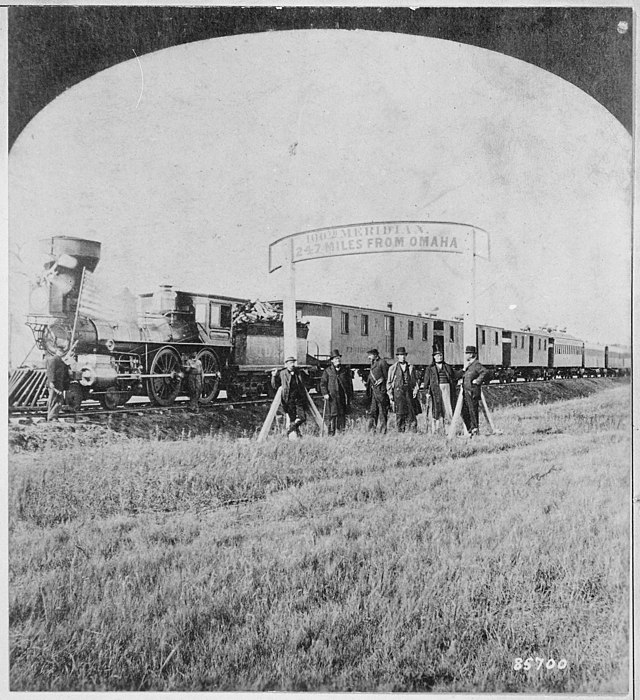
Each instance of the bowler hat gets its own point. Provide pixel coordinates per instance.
(401, 351)
(290, 359)
(373, 351)
(471, 349)
(335, 353)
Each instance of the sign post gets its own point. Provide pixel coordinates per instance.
(469, 323)
(289, 319)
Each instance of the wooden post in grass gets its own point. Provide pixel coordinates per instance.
(314, 409)
(456, 416)
(458, 413)
(428, 415)
(275, 405)
(485, 410)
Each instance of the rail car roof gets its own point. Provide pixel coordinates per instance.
(221, 297)
(543, 332)
(368, 308)
(559, 335)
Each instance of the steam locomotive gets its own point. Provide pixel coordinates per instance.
(123, 346)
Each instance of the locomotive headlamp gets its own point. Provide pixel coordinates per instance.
(54, 336)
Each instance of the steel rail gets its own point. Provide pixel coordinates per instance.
(182, 403)
(142, 408)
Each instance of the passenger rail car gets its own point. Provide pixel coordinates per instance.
(593, 360)
(567, 356)
(525, 354)
(617, 360)
(355, 330)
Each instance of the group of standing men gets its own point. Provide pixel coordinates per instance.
(394, 387)
(440, 380)
(336, 387)
(397, 386)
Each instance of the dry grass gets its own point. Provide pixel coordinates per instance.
(395, 562)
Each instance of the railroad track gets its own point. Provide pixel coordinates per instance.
(182, 404)
(97, 410)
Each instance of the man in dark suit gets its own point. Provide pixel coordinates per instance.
(336, 387)
(58, 378)
(294, 397)
(440, 383)
(474, 375)
(377, 387)
(195, 380)
(402, 388)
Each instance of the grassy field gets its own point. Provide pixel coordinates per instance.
(397, 563)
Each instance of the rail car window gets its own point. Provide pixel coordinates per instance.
(214, 314)
(497, 343)
(365, 324)
(425, 331)
(225, 316)
(522, 342)
(451, 334)
(410, 330)
(484, 337)
(539, 343)
(545, 344)
(438, 325)
(344, 322)
(201, 314)
(219, 315)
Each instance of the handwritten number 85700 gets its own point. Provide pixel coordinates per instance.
(537, 663)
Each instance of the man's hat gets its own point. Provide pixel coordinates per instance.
(401, 351)
(471, 349)
(437, 350)
(290, 359)
(373, 351)
(335, 353)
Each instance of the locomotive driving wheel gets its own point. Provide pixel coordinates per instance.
(210, 385)
(163, 389)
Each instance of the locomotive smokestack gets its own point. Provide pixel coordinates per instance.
(61, 248)
(67, 258)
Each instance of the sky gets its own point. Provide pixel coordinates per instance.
(187, 162)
